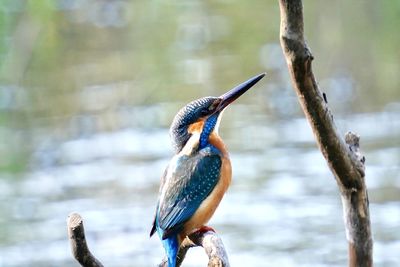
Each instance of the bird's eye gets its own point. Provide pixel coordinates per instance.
(211, 108)
(214, 105)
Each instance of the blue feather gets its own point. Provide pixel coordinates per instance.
(207, 129)
(192, 180)
(171, 247)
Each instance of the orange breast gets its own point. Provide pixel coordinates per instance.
(210, 204)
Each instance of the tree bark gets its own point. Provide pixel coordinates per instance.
(342, 156)
(79, 248)
(212, 244)
(205, 238)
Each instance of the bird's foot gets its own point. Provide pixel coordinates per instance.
(194, 238)
(205, 229)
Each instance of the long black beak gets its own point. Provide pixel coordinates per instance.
(239, 90)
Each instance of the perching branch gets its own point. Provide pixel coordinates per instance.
(344, 158)
(212, 244)
(209, 240)
(79, 248)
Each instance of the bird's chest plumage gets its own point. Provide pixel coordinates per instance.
(194, 185)
(211, 202)
(191, 178)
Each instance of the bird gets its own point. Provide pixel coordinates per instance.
(199, 173)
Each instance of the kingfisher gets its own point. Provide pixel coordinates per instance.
(199, 173)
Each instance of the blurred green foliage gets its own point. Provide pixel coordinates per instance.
(55, 55)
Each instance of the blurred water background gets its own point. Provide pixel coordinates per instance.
(88, 89)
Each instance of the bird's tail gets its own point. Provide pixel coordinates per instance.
(171, 247)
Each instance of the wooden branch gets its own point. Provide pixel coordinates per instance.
(79, 248)
(344, 158)
(208, 239)
(212, 244)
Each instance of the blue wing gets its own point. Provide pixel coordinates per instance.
(191, 181)
(162, 183)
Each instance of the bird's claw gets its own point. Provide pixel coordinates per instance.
(205, 229)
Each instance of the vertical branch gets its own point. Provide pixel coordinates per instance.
(342, 156)
(79, 248)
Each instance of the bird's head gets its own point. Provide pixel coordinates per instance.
(202, 115)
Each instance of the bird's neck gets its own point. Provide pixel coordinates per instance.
(216, 141)
(208, 128)
(202, 134)
(193, 144)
